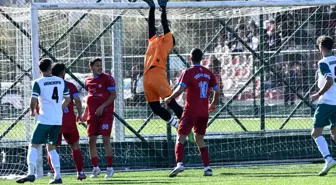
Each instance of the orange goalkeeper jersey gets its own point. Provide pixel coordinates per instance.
(158, 51)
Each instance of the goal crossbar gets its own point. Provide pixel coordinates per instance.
(181, 5)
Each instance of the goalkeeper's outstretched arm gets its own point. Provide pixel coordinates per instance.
(164, 21)
(151, 19)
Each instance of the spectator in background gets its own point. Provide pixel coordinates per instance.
(138, 95)
(214, 65)
(241, 32)
(221, 48)
(274, 40)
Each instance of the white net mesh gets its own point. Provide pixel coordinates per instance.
(288, 33)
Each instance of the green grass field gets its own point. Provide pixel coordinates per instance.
(298, 174)
(159, 126)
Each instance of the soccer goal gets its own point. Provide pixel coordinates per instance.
(262, 52)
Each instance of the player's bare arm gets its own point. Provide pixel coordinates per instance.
(33, 105)
(214, 100)
(329, 82)
(177, 92)
(78, 104)
(65, 102)
(109, 100)
(86, 113)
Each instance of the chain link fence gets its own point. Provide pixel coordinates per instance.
(264, 62)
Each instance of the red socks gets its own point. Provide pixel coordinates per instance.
(179, 152)
(78, 159)
(205, 156)
(94, 161)
(109, 160)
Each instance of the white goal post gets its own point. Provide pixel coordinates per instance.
(179, 5)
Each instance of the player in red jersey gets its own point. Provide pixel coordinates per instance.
(99, 113)
(197, 81)
(69, 128)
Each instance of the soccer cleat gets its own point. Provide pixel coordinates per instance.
(176, 171)
(56, 181)
(81, 175)
(328, 166)
(208, 172)
(191, 137)
(109, 173)
(95, 172)
(28, 178)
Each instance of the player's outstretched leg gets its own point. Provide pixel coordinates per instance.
(163, 113)
(31, 160)
(178, 110)
(323, 147)
(203, 149)
(179, 154)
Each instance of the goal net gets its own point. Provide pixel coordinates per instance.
(262, 53)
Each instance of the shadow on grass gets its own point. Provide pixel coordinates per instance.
(272, 174)
(135, 181)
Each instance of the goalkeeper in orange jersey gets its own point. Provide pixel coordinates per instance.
(156, 85)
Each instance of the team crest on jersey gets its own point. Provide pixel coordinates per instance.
(201, 69)
(99, 85)
(105, 126)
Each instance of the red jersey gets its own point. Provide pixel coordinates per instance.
(69, 117)
(98, 88)
(197, 80)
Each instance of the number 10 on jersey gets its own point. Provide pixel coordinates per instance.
(203, 89)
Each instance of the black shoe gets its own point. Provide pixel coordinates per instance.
(28, 178)
(56, 181)
(81, 175)
(208, 173)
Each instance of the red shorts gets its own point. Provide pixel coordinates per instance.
(70, 137)
(188, 121)
(100, 125)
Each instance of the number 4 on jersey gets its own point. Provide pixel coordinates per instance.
(55, 95)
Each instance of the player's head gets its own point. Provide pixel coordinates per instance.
(45, 66)
(58, 69)
(325, 44)
(196, 56)
(96, 66)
